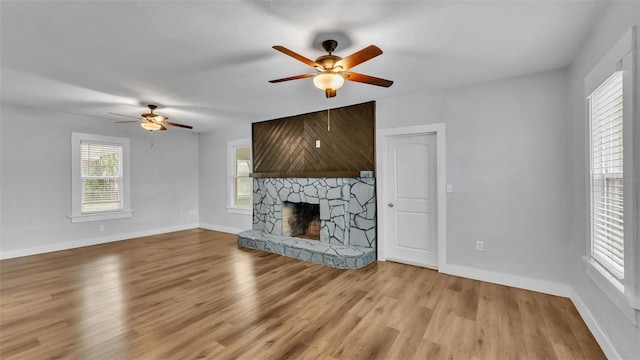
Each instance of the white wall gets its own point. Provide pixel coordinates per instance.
(415, 109)
(36, 181)
(507, 160)
(213, 180)
(621, 335)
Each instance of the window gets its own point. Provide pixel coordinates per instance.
(607, 170)
(613, 183)
(243, 181)
(240, 183)
(100, 170)
(100, 177)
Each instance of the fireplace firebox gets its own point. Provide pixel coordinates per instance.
(301, 220)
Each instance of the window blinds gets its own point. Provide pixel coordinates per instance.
(607, 183)
(101, 173)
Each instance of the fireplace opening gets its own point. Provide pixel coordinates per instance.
(301, 220)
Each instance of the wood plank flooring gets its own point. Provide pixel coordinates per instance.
(195, 294)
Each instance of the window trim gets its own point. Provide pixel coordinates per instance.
(625, 293)
(76, 215)
(231, 207)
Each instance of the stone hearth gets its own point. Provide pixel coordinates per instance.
(338, 256)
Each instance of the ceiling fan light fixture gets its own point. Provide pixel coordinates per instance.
(152, 122)
(333, 70)
(328, 80)
(151, 126)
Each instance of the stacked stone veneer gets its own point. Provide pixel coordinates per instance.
(347, 211)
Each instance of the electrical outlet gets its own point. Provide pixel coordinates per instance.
(317, 143)
(480, 245)
(100, 227)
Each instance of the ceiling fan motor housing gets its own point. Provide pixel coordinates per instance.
(328, 62)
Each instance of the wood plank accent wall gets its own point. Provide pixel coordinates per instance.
(286, 147)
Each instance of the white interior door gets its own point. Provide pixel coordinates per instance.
(411, 208)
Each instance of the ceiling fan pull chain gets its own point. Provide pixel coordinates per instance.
(328, 119)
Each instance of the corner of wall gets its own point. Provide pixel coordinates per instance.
(597, 332)
(222, 228)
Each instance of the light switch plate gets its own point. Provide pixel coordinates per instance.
(449, 188)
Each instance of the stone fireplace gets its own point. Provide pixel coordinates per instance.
(346, 218)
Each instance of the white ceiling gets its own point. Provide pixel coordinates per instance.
(208, 63)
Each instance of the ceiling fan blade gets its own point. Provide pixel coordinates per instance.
(162, 128)
(176, 124)
(351, 76)
(133, 117)
(124, 122)
(329, 93)
(293, 78)
(295, 55)
(359, 57)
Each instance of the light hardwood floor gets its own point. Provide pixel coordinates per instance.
(195, 294)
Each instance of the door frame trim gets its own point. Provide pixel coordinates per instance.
(382, 136)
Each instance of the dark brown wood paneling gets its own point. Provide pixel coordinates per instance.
(288, 145)
(276, 144)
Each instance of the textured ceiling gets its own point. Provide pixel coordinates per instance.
(208, 63)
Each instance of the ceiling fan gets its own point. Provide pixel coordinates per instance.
(150, 121)
(332, 70)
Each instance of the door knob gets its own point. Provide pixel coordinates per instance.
(390, 205)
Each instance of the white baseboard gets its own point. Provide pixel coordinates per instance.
(543, 286)
(222, 228)
(92, 241)
(592, 324)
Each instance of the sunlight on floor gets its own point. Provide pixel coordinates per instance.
(103, 322)
(245, 281)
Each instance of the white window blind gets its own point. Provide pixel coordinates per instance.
(101, 172)
(607, 183)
